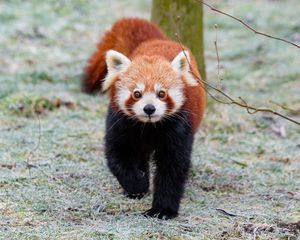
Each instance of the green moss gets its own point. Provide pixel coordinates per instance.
(31, 105)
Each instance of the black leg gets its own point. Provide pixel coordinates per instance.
(132, 176)
(127, 160)
(128, 149)
(168, 188)
(140, 186)
(172, 166)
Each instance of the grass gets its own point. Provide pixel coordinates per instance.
(54, 183)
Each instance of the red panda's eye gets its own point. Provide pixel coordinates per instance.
(137, 94)
(161, 94)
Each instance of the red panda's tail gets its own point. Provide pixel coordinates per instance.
(124, 36)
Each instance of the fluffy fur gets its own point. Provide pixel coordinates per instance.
(156, 106)
(129, 146)
(124, 36)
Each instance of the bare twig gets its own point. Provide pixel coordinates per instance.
(218, 56)
(248, 26)
(242, 103)
(32, 152)
(226, 213)
(283, 106)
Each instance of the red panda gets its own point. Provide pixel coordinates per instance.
(156, 106)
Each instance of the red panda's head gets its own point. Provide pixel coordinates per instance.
(148, 88)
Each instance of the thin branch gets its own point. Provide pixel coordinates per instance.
(242, 103)
(248, 26)
(245, 105)
(283, 106)
(33, 151)
(218, 56)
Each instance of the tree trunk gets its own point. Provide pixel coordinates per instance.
(184, 17)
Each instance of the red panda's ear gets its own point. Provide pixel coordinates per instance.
(116, 63)
(181, 65)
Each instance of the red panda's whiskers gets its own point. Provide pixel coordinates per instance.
(186, 111)
(181, 110)
(114, 124)
(173, 116)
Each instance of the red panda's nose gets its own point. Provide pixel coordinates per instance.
(149, 109)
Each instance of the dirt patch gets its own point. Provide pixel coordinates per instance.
(290, 228)
(293, 228)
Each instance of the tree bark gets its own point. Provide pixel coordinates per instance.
(184, 17)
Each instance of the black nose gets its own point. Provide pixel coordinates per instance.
(149, 109)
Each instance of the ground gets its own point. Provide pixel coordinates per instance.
(54, 183)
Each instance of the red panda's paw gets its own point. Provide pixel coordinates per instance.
(136, 184)
(135, 195)
(160, 214)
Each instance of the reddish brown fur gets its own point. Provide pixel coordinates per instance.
(170, 103)
(196, 97)
(124, 36)
(129, 104)
(149, 70)
(136, 39)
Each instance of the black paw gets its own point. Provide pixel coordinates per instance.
(135, 195)
(136, 186)
(161, 214)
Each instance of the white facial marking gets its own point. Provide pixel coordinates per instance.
(149, 98)
(123, 93)
(176, 94)
(157, 87)
(140, 87)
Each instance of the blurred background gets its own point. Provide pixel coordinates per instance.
(54, 182)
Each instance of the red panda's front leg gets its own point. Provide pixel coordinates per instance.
(172, 158)
(132, 175)
(134, 181)
(125, 159)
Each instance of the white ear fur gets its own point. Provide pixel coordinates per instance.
(181, 65)
(116, 63)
